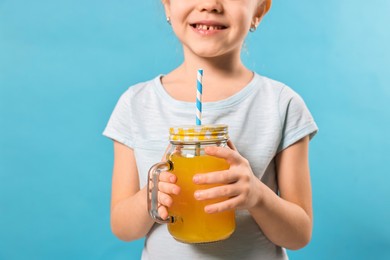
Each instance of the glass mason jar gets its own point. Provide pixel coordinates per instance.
(187, 221)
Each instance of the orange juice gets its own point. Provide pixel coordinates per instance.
(191, 223)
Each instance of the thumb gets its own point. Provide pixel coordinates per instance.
(231, 145)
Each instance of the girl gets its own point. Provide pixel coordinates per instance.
(268, 183)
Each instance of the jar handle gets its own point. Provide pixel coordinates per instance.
(152, 186)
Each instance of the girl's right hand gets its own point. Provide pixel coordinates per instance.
(167, 187)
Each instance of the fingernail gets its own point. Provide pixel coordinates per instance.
(197, 194)
(175, 191)
(195, 179)
(208, 210)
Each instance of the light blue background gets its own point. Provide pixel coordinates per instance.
(63, 65)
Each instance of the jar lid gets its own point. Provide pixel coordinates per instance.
(199, 133)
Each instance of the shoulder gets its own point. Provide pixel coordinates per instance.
(272, 92)
(269, 82)
(277, 89)
(141, 88)
(136, 96)
(273, 85)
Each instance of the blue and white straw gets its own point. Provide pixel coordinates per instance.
(199, 97)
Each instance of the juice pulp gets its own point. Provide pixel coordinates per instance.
(192, 224)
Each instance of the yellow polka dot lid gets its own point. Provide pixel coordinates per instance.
(198, 133)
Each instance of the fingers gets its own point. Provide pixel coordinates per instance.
(219, 177)
(229, 204)
(224, 191)
(164, 199)
(166, 186)
(167, 183)
(162, 212)
(232, 198)
(167, 177)
(227, 153)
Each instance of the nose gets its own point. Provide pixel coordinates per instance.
(211, 6)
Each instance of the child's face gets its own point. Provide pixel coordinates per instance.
(211, 28)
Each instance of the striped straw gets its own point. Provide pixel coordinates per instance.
(199, 97)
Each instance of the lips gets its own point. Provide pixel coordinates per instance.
(208, 26)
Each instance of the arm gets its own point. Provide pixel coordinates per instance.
(286, 219)
(129, 212)
(130, 219)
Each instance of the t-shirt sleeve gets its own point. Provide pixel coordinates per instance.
(296, 119)
(119, 125)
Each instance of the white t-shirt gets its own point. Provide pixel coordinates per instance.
(264, 118)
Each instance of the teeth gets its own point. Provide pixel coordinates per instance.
(208, 27)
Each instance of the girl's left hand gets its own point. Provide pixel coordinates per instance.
(242, 188)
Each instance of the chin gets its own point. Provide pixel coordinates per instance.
(208, 55)
(209, 52)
